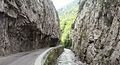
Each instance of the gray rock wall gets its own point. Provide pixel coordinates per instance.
(96, 34)
(27, 25)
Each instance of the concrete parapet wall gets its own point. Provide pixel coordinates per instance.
(50, 56)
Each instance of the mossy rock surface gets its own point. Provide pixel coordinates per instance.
(53, 55)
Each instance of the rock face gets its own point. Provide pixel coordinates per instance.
(27, 25)
(96, 34)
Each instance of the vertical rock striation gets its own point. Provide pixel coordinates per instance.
(96, 34)
(27, 25)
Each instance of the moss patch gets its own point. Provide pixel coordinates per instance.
(53, 55)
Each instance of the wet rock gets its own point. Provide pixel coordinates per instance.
(27, 25)
(100, 21)
(68, 58)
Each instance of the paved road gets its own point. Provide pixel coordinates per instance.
(25, 58)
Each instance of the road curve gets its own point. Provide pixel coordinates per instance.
(24, 58)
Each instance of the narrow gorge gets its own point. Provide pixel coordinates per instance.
(59, 32)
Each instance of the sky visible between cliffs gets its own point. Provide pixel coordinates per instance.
(61, 3)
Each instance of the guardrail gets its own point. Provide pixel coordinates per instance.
(50, 56)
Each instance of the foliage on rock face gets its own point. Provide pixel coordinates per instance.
(67, 17)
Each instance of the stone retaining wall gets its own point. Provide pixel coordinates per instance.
(50, 56)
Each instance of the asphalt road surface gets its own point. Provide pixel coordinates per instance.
(24, 58)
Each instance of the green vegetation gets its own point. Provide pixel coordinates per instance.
(67, 17)
(53, 55)
(83, 35)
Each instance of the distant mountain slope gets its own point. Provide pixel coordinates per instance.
(67, 16)
(73, 6)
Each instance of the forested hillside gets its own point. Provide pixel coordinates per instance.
(67, 16)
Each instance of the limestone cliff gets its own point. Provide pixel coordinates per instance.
(27, 25)
(96, 33)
